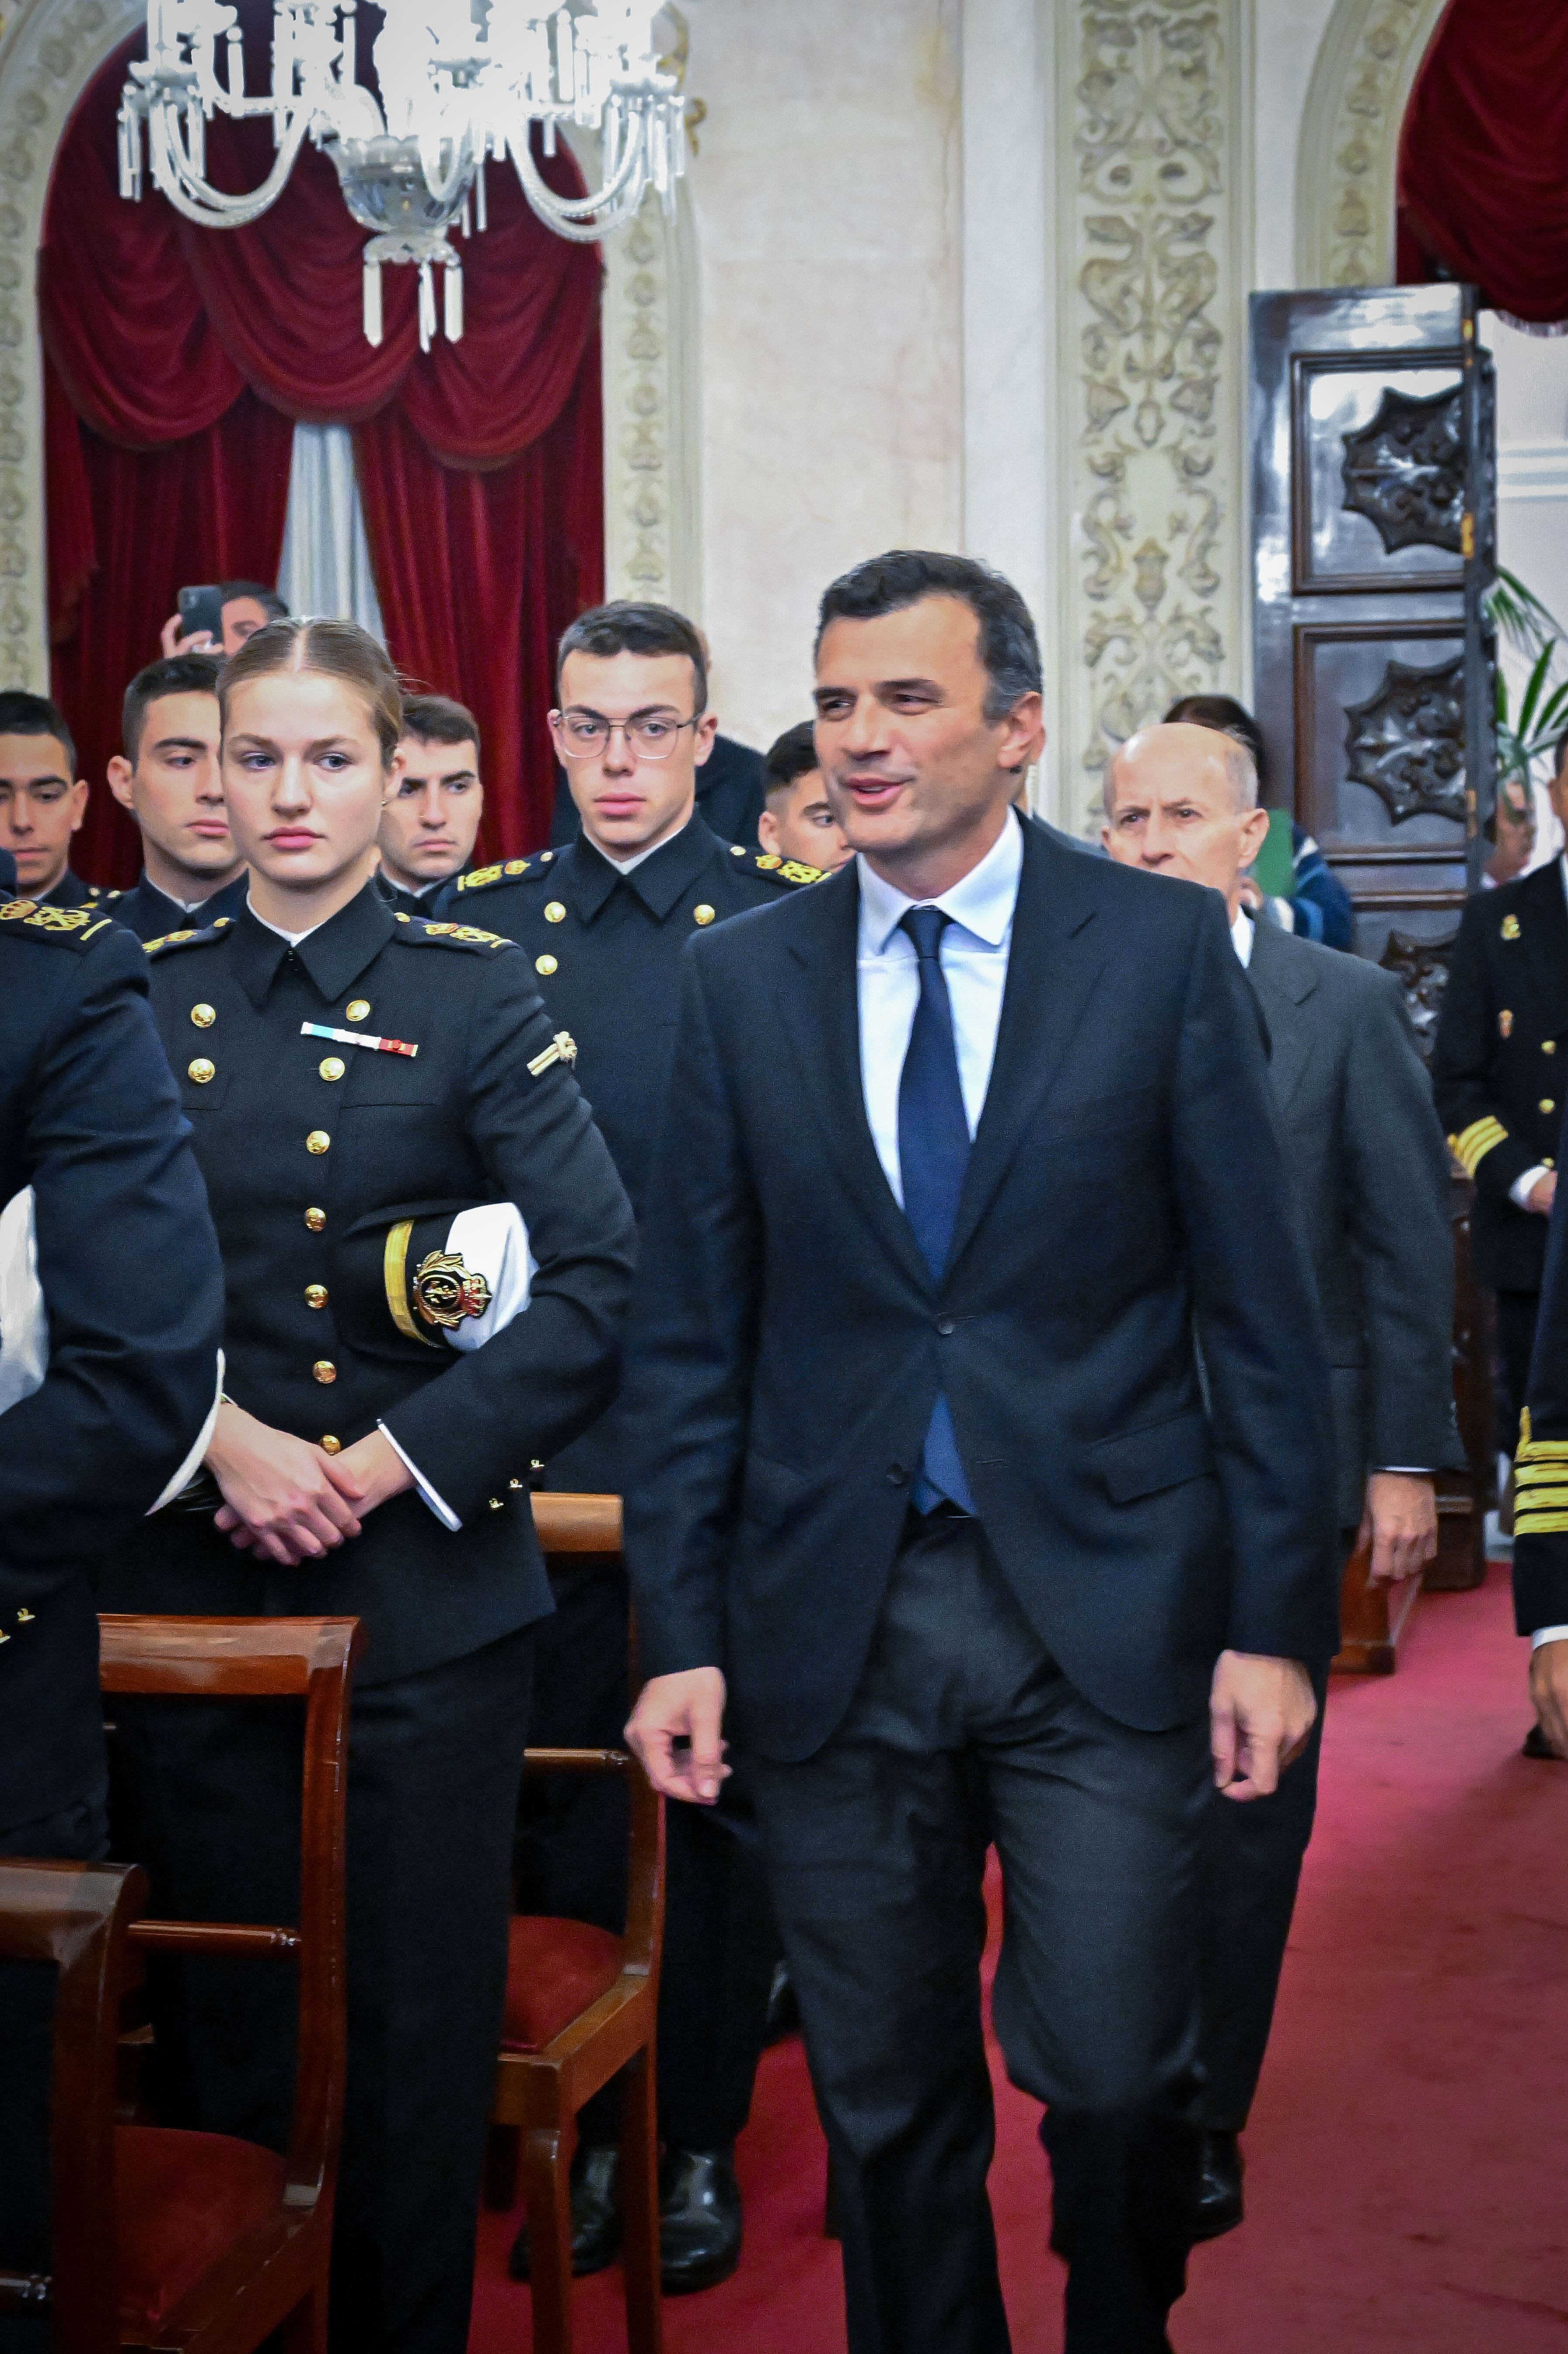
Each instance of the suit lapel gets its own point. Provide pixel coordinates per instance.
(819, 1009)
(1281, 987)
(1053, 964)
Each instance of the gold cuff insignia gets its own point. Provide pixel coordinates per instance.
(446, 1291)
(1471, 1146)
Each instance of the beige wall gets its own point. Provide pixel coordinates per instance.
(826, 208)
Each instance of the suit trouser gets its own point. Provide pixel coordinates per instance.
(1516, 1313)
(208, 1794)
(964, 1731)
(1251, 1870)
(77, 1834)
(720, 1943)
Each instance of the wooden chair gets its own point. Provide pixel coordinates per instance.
(582, 2007)
(193, 2243)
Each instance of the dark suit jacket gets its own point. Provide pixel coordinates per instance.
(1498, 1064)
(1369, 1173)
(1126, 1191)
(128, 1269)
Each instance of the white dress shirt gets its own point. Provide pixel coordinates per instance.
(974, 953)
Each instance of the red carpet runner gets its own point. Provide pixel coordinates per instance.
(1406, 2185)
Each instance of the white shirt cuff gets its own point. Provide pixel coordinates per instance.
(433, 1496)
(1548, 1635)
(1520, 1192)
(192, 1461)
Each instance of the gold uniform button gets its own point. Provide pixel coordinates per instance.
(201, 1070)
(325, 1369)
(1547, 1103)
(1547, 1161)
(317, 1140)
(204, 1016)
(358, 1010)
(331, 1445)
(497, 1504)
(316, 1220)
(736, 851)
(331, 1066)
(703, 915)
(546, 965)
(315, 1295)
(1549, 1046)
(554, 912)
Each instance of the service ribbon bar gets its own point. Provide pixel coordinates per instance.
(357, 1038)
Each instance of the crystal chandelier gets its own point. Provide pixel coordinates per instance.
(460, 81)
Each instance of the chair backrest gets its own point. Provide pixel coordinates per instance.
(572, 1523)
(277, 1659)
(76, 1915)
(645, 1853)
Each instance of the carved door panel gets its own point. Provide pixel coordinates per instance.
(1373, 508)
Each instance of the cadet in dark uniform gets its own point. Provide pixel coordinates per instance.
(1541, 1502)
(604, 923)
(168, 778)
(1499, 1074)
(356, 1079)
(108, 1374)
(430, 824)
(42, 799)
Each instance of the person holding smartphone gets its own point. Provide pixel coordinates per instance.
(366, 1090)
(218, 618)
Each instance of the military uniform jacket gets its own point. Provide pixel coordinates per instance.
(1541, 1463)
(128, 1266)
(1499, 1067)
(71, 891)
(151, 915)
(607, 950)
(412, 903)
(315, 1150)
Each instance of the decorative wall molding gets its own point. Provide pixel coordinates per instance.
(1349, 150)
(49, 51)
(653, 535)
(1532, 470)
(1152, 227)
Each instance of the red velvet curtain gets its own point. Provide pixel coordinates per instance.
(178, 359)
(1483, 160)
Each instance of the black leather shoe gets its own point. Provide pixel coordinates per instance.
(1220, 2204)
(1536, 1745)
(783, 2010)
(699, 2219)
(596, 2217)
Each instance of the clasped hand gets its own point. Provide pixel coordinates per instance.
(1261, 1711)
(293, 1502)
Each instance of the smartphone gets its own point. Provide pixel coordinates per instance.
(202, 608)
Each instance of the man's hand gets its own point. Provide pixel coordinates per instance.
(686, 1709)
(1260, 1713)
(1400, 1521)
(1549, 1691)
(281, 1494)
(200, 641)
(1540, 1198)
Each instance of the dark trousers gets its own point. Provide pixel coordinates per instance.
(76, 1834)
(207, 1795)
(1251, 1870)
(720, 1943)
(964, 1732)
(1516, 1339)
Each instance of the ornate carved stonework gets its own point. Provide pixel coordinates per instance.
(637, 410)
(1405, 469)
(1407, 741)
(1421, 969)
(1366, 64)
(1153, 612)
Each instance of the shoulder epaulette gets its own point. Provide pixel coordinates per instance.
(33, 919)
(203, 938)
(453, 936)
(510, 870)
(781, 869)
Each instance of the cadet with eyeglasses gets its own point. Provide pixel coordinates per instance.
(604, 923)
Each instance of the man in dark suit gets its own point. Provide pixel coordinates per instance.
(168, 777)
(109, 1374)
(1370, 1176)
(961, 1531)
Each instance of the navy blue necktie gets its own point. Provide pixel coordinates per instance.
(933, 1158)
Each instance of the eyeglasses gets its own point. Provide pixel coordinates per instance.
(584, 735)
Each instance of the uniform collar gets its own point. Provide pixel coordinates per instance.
(661, 881)
(334, 955)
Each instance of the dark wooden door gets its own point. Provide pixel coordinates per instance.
(1373, 530)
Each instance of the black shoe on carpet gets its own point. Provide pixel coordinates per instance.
(699, 2219)
(596, 2217)
(1220, 2204)
(1536, 1745)
(783, 2010)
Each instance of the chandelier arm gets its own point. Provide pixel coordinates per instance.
(216, 207)
(557, 210)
